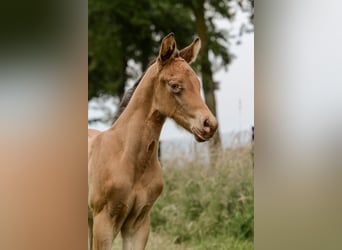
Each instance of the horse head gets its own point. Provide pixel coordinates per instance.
(178, 91)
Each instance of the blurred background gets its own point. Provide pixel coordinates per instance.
(297, 161)
(123, 37)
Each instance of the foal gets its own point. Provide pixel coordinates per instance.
(124, 174)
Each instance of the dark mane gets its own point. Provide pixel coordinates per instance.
(126, 98)
(129, 93)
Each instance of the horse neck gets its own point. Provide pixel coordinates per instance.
(140, 123)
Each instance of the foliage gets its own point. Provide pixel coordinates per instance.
(208, 206)
(123, 30)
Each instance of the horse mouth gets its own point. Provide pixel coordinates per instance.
(198, 135)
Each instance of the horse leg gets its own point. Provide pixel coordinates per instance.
(103, 231)
(136, 237)
(90, 233)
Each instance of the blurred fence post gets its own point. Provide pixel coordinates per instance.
(252, 133)
(252, 148)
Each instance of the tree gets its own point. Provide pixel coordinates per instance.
(114, 29)
(213, 41)
(120, 30)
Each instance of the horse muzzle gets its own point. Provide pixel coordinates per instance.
(206, 130)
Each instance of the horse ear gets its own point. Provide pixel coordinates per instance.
(190, 52)
(167, 48)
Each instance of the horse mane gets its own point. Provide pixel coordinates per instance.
(129, 93)
(126, 98)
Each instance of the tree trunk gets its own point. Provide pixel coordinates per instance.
(206, 72)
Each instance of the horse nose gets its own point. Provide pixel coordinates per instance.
(210, 125)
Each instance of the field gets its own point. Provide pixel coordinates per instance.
(205, 206)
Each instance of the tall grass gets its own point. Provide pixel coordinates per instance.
(208, 206)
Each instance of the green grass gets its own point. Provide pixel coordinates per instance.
(159, 242)
(208, 206)
(224, 243)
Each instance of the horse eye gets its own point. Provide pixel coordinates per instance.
(174, 86)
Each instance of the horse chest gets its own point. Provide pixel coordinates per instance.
(142, 202)
(130, 203)
(145, 194)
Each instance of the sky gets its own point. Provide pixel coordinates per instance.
(234, 97)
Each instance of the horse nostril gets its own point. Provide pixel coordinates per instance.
(206, 123)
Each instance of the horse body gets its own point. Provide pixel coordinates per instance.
(124, 174)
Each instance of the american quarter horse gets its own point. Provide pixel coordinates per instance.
(124, 174)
